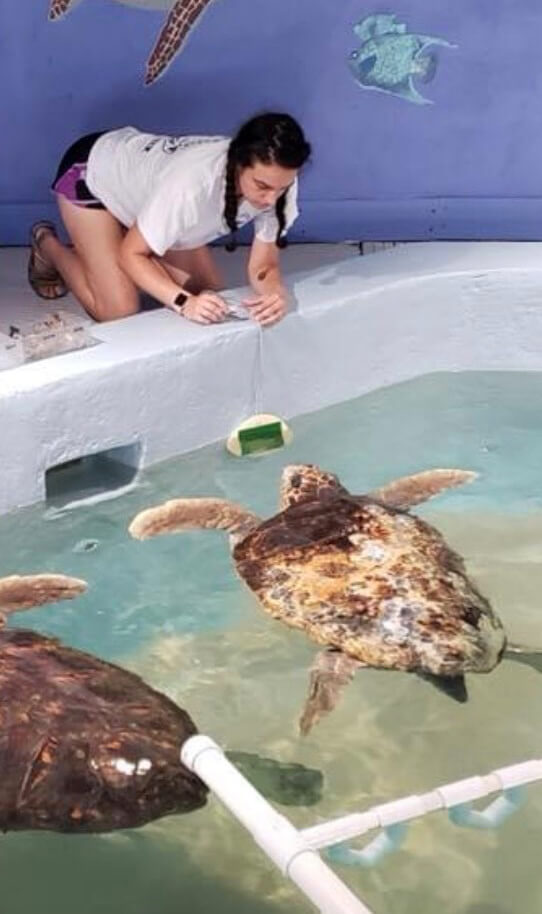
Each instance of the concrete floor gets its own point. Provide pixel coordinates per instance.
(20, 307)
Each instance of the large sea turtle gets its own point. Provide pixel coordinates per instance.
(378, 586)
(182, 18)
(85, 746)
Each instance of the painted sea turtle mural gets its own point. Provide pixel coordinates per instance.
(391, 57)
(183, 16)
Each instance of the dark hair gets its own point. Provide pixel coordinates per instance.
(271, 139)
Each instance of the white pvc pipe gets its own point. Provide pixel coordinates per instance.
(277, 837)
(348, 827)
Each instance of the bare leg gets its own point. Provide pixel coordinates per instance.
(91, 270)
(195, 269)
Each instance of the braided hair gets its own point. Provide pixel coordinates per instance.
(271, 139)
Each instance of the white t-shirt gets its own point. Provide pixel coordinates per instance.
(173, 187)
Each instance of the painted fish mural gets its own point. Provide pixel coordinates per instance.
(390, 57)
(183, 16)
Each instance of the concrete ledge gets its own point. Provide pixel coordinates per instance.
(171, 386)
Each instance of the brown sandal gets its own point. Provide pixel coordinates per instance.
(41, 275)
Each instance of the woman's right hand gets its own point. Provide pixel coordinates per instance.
(205, 308)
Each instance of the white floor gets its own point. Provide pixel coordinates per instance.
(20, 307)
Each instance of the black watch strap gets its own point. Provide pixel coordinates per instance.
(181, 299)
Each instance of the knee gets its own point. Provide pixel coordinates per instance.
(114, 295)
(112, 309)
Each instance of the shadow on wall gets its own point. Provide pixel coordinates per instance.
(451, 259)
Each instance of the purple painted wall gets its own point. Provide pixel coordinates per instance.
(467, 166)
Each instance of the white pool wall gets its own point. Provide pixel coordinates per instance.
(170, 386)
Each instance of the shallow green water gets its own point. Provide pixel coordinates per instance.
(173, 610)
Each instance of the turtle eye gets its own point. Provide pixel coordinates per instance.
(295, 481)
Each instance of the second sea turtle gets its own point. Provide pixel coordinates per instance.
(376, 585)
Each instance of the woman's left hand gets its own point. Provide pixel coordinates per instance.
(268, 308)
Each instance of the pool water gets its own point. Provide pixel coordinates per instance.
(173, 610)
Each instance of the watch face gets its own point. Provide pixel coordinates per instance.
(181, 299)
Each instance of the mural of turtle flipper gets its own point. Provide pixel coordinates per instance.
(57, 8)
(183, 15)
(180, 21)
(390, 57)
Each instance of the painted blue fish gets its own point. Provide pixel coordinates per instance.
(390, 57)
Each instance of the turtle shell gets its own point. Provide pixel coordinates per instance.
(373, 581)
(86, 746)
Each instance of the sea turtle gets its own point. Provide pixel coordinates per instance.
(390, 58)
(378, 586)
(182, 18)
(85, 746)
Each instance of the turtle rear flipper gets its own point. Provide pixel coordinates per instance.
(527, 655)
(453, 686)
(412, 490)
(19, 592)
(182, 514)
(330, 673)
(287, 783)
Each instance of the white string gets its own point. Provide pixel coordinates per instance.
(257, 374)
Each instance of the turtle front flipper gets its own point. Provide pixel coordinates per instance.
(179, 23)
(58, 8)
(182, 514)
(287, 783)
(330, 673)
(527, 655)
(20, 592)
(412, 490)
(453, 686)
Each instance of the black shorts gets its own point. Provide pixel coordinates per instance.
(70, 181)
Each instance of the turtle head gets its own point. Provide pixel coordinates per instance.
(304, 482)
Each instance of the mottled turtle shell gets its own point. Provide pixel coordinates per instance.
(373, 581)
(85, 746)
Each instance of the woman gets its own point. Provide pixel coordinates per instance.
(140, 210)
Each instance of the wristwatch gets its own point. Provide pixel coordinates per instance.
(181, 300)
